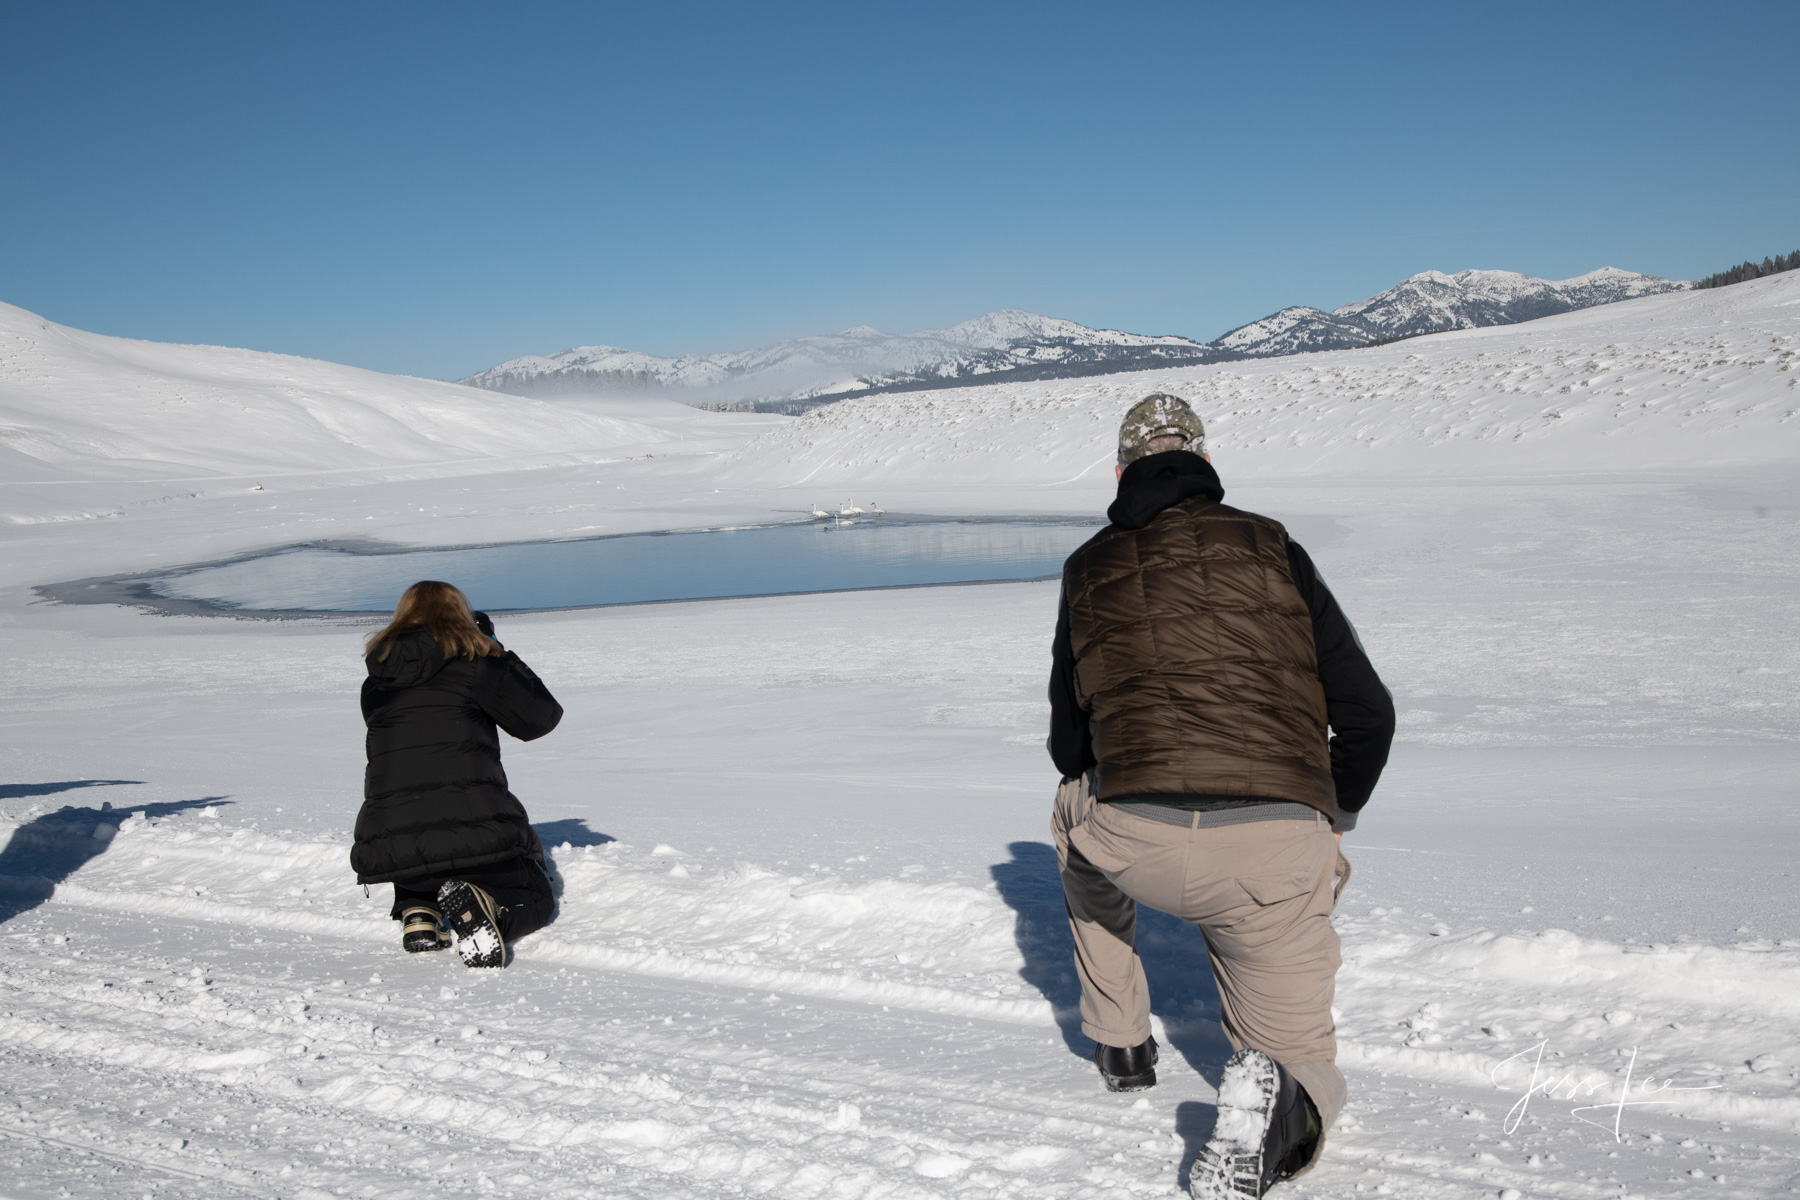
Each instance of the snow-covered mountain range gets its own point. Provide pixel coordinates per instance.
(1432, 302)
(1008, 345)
(802, 373)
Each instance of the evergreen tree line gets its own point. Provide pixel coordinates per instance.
(1750, 270)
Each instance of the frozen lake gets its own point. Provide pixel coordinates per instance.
(821, 556)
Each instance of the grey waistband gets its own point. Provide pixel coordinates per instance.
(1211, 818)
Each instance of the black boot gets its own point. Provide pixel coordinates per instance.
(1293, 1132)
(1127, 1068)
(1267, 1130)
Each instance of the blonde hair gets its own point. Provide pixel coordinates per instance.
(441, 610)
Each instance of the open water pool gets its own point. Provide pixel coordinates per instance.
(821, 556)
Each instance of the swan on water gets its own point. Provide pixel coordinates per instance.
(876, 509)
(819, 512)
(848, 509)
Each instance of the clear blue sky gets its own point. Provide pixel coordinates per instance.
(432, 188)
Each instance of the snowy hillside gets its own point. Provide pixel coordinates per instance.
(76, 403)
(1295, 330)
(1689, 377)
(1019, 344)
(1432, 302)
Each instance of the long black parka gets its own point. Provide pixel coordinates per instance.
(435, 799)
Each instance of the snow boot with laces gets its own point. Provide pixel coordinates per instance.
(1267, 1131)
(423, 929)
(1127, 1068)
(475, 921)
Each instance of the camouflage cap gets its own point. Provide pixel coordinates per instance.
(1159, 415)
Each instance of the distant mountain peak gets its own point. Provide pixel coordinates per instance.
(1607, 273)
(1434, 302)
(1012, 344)
(803, 373)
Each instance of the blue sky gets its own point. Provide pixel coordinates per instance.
(433, 188)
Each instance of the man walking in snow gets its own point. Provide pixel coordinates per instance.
(1218, 727)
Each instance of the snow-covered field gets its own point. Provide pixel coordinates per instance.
(811, 942)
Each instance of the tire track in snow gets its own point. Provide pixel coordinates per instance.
(644, 1120)
(653, 1108)
(87, 1009)
(548, 948)
(243, 1184)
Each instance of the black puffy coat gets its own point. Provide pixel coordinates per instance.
(435, 799)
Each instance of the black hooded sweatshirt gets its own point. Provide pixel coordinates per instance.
(1357, 704)
(435, 799)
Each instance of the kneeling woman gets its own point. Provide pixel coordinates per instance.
(437, 820)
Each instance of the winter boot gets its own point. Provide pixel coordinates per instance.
(423, 928)
(475, 921)
(1127, 1068)
(1266, 1132)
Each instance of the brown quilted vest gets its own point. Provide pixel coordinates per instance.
(1195, 660)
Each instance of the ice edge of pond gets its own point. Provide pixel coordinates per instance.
(135, 589)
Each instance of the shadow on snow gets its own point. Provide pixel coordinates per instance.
(572, 831)
(1182, 991)
(18, 791)
(1194, 1124)
(48, 849)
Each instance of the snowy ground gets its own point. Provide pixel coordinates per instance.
(810, 941)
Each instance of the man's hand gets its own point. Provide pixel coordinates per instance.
(1338, 836)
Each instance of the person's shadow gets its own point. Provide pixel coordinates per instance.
(1194, 1123)
(48, 849)
(1182, 991)
(570, 831)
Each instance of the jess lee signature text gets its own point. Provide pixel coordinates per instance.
(1648, 1091)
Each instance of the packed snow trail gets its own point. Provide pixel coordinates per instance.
(262, 1032)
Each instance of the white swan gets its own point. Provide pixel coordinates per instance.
(877, 509)
(847, 509)
(819, 512)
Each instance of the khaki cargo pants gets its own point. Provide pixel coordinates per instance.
(1262, 894)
